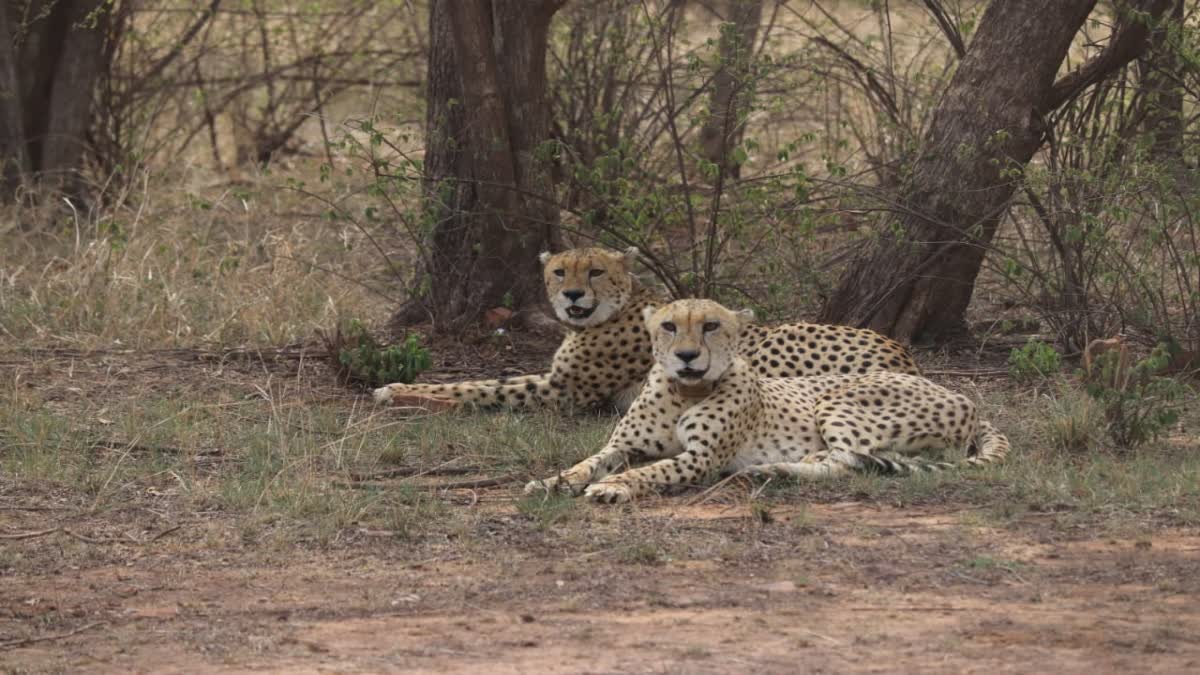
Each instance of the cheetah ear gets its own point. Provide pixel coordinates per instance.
(648, 313)
(544, 256)
(745, 316)
(630, 254)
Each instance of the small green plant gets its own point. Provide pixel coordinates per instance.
(1139, 405)
(1035, 361)
(361, 359)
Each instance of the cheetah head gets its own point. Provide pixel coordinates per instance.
(587, 286)
(695, 340)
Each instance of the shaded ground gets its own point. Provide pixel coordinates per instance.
(150, 580)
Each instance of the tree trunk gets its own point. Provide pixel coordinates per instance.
(723, 129)
(13, 154)
(79, 65)
(52, 58)
(915, 281)
(1161, 80)
(487, 190)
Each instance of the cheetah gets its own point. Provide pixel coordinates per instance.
(705, 407)
(604, 359)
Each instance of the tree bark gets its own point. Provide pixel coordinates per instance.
(723, 129)
(72, 93)
(1161, 79)
(915, 280)
(15, 160)
(487, 190)
(52, 58)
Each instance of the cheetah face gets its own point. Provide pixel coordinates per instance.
(695, 340)
(587, 286)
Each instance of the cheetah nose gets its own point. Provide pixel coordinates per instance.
(687, 356)
(573, 295)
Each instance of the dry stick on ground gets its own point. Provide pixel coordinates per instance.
(162, 534)
(703, 496)
(85, 538)
(460, 485)
(29, 535)
(54, 530)
(979, 372)
(13, 644)
(444, 468)
(478, 483)
(907, 609)
(413, 471)
(162, 449)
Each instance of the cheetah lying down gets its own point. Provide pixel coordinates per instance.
(605, 357)
(704, 408)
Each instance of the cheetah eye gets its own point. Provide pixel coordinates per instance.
(560, 273)
(668, 326)
(710, 326)
(595, 273)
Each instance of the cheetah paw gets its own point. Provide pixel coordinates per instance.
(548, 485)
(397, 395)
(609, 492)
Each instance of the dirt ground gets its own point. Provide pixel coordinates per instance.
(696, 583)
(858, 588)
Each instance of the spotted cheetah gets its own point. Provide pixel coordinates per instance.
(605, 357)
(705, 407)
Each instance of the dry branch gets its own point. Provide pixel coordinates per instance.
(1128, 42)
(13, 644)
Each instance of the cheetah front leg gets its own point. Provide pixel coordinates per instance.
(688, 466)
(515, 392)
(705, 448)
(576, 479)
(638, 436)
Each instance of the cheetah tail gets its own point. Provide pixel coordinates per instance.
(891, 464)
(989, 446)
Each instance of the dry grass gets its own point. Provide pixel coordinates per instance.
(287, 454)
(163, 268)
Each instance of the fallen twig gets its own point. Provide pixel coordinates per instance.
(823, 637)
(907, 609)
(13, 644)
(162, 449)
(84, 538)
(458, 485)
(90, 540)
(979, 372)
(700, 498)
(478, 483)
(162, 534)
(29, 535)
(414, 471)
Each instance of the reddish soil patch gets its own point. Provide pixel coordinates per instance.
(854, 587)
